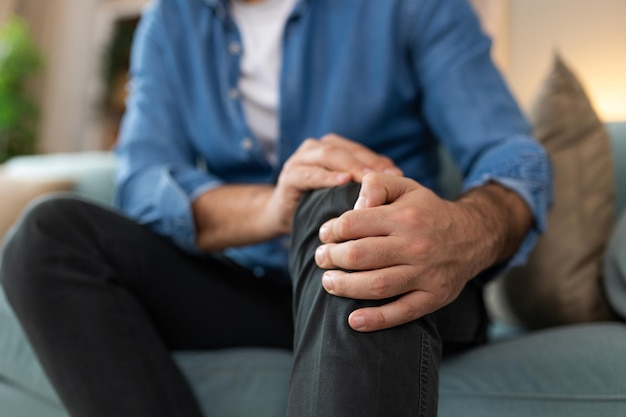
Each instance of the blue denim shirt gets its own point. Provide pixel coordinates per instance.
(399, 76)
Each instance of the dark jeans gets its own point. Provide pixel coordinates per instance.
(104, 301)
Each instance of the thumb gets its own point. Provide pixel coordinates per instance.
(378, 189)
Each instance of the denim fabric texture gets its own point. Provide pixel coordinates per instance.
(104, 301)
(340, 372)
(397, 76)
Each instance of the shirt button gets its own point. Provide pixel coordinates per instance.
(235, 48)
(247, 144)
(233, 93)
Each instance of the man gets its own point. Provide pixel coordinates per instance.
(255, 127)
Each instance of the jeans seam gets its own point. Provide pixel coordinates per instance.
(424, 375)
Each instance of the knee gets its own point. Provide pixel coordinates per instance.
(319, 206)
(34, 237)
(50, 216)
(315, 208)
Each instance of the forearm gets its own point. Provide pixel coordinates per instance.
(233, 215)
(501, 220)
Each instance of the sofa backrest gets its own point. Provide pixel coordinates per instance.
(450, 178)
(618, 137)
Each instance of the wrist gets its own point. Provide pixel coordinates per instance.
(272, 216)
(231, 216)
(502, 220)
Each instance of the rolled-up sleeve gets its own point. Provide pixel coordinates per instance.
(158, 177)
(468, 106)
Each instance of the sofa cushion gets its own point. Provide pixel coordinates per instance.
(18, 364)
(615, 268)
(239, 382)
(562, 281)
(16, 402)
(571, 371)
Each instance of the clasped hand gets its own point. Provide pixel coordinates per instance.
(400, 240)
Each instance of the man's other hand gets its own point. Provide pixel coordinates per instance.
(403, 240)
(328, 162)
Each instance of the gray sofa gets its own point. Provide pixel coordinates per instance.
(568, 371)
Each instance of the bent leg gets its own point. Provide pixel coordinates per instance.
(104, 301)
(339, 372)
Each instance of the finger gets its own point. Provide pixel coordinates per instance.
(376, 162)
(361, 254)
(357, 224)
(379, 189)
(405, 309)
(370, 285)
(306, 178)
(331, 157)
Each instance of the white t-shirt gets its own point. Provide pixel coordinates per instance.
(261, 26)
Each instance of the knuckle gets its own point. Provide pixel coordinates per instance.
(408, 216)
(329, 137)
(408, 312)
(382, 162)
(307, 175)
(380, 319)
(328, 151)
(354, 254)
(380, 287)
(422, 247)
(289, 164)
(344, 225)
(308, 143)
(370, 181)
(386, 160)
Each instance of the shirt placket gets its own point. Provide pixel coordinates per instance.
(288, 117)
(232, 94)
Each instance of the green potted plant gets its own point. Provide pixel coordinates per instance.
(20, 58)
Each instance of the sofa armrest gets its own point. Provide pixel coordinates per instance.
(91, 172)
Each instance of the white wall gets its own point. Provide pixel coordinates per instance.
(591, 37)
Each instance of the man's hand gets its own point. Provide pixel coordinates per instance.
(328, 162)
(236, 215)
(403, 240)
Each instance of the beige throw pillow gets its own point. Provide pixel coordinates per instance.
(562, 281)
(17, 193)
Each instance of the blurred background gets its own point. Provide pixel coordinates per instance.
(74, 60)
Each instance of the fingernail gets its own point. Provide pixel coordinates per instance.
(323, 232)
(357, 321)
(319, 255)
(361, 202)
(367, 171)
(328, 281)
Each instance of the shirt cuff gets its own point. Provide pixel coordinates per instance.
(521, 165)
(176, 190)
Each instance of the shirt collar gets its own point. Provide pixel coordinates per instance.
(221, 6)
